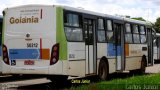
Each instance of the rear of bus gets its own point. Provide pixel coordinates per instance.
(29, 45)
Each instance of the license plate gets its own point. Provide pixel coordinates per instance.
(28, 62)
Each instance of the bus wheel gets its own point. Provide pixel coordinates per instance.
(103, 70)
(142, 69)
(143, 65)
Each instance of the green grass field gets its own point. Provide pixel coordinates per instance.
(143, 82)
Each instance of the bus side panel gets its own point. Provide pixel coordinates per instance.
(76, 58)
(112, 65)
(133, 63)
(60, 34)
(134, 55)
(102, 51)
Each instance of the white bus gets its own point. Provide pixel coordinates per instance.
(61, 41)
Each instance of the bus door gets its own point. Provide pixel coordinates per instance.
(150, 47)
(90, 42)
(158, 48)
(119, 46)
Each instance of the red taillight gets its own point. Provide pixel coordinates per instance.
(54, 54)
(5, 55)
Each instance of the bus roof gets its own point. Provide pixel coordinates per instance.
(107, 15)
(81, 10)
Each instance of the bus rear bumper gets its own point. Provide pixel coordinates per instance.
(49, 70)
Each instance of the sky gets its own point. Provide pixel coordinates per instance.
(148, 9)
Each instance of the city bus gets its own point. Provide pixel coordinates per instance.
(1, 21)
(61, 41)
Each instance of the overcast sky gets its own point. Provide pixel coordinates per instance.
(148, 9)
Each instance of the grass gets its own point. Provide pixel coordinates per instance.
(144, 82)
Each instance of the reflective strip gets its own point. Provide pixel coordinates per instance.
(29, 54)
(127, 49)
(111, 50)
(24, 53)
(45, 54)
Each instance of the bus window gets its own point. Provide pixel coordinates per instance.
(142, 34)
(128, 28)
(109, 25)
(73, 34)
(72, 20)
(143, 38)
(101, 24)
(73, 28)
(135, 29)
(110, 36)
(128, 34)
(101, 31)
(136, 38)
(142, 30)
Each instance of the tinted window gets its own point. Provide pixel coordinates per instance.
(73, 29)
(143, 34)
(136, 38)
(135, 28)
(128, 38)
(72, 20)
(128, 33)
(110, 37)
(101, 36)
(128, 27)
(74, 34)
(109, 24)
(142, 30)
(100, 24)
(101, 31)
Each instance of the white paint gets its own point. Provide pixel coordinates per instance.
(119, 61)
(101, 49)
(91, 59)
(77, 49)
(76, 68)
(133, 63)
(112, 65)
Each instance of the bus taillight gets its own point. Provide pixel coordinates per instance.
(5, 55)
(54, 54)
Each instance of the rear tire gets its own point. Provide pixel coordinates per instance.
(103, 71)
(143, 65)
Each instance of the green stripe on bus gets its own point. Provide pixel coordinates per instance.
(60, 34)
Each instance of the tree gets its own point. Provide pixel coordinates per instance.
(139, 18)
(157, 25)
